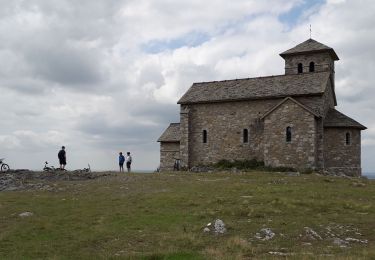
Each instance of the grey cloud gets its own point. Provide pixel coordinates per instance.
(66, 66)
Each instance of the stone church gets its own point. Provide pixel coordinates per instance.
(287, 120)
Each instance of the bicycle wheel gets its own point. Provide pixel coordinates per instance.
(5, 167)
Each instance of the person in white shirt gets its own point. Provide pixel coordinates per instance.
(128, 160)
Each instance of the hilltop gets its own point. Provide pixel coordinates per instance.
(163, 216)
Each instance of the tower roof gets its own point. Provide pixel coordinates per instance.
(310, 46)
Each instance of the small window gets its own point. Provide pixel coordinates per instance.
(312, 67)
(288, 134)
(300, 68)
(348, 139)
(245, 136)
(204, 136)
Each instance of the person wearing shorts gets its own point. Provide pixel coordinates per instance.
(62, 158)
(128, 160)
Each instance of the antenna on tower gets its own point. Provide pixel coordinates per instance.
(310, 31)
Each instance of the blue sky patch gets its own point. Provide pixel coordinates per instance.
(192, 39)
(292, 16)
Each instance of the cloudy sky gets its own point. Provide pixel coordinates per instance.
(104, 76)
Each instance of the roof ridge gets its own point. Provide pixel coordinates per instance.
(261, 77)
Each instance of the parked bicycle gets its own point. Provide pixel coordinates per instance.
(48, 168)
(83, 170)
(4, 167)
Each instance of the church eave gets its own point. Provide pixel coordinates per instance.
(249, 99)
(331, 52)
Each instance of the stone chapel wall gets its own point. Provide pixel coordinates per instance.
(300, 152)
(224, 123)
(169, 151)
(339, 157)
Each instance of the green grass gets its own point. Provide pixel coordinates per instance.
(161, 216)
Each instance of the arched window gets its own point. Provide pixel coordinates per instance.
(347, 138)
(204, 136)
(312, 67)
(300, 68)
(288, 134)
(245, 136)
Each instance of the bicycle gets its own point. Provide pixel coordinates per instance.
(4, 167)
(83, 170)
(48, 168)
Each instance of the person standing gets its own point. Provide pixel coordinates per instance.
(62, 158)
(128, 161)
(121, 160)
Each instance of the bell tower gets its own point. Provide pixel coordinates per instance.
(310, 56)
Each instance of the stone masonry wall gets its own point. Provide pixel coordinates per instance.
(319, 144)
(327, 103)
(168, 153)
(328, 100)
(224, 123)
(340, 157)
(323, 62)
(301, 151)
(185, 138)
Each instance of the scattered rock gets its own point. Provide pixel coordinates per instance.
(265, 234)
(23, 179)
(202, 169)
(293, 174)
(280, 253)
(310, 234)
(358, 184)
(219, 227)
(356, 240)
(340, 242)
(25, 214)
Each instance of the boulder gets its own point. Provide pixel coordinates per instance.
(265, 234)
(25, 214)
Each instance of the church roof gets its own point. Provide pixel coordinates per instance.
(335, 118)
(304, 84)
(171, 134)
(310, 46)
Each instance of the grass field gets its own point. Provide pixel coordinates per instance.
(162, 216)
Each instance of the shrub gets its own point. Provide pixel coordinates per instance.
(250, 165)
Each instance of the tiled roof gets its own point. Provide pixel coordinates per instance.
(309, 46)
(303, 84)
(335, 118)
(171, 134)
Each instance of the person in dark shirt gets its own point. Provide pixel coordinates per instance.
(62, 158)
(121, 160)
